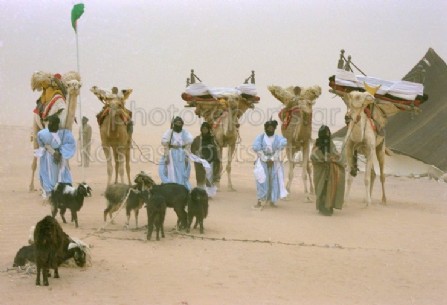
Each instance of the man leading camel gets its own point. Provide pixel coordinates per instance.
(56, 147)
(85, 134)
(174, 165)
(269, 169)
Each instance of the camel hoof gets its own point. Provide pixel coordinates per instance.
(231, 189)
(308, 199)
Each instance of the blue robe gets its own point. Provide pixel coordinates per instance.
(51, 173)
(272, 188)
(176, 149)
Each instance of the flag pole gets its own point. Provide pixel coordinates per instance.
(81, 138)
(76, 13)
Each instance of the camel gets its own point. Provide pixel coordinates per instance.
(51, 86)
(222, 113)
(226, 132)
(297, 128)
(115, 137)
(362, 137)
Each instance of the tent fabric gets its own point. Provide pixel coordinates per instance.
(422, 136)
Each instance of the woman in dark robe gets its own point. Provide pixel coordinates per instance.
(329, 173)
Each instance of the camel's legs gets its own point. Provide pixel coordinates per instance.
(128, 164)
(119, 163)
(290, 153)
(33, 171)
(368, 172)
(350, 164)
(231, 149)
(307, 173)
(34, 163)
(310, 175)
(108, 156)
(380, 152)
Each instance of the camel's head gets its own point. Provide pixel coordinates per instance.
(115, 103)
(306, 105)
(356, 100)
(73, 87)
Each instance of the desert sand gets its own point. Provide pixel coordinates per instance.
(393, 254)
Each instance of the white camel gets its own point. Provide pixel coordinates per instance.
(362, 137)
(52, 101)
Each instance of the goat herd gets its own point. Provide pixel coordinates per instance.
(50, 246)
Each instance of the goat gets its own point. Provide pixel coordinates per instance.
(77, 250)
(64, 197)
(24, 255)
(156, 211)
(176, 197)
(52, 246)
(197, 207)
(117, 193)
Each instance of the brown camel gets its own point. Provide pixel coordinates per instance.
(116, 138)
(297, 128)
(223, 116)
(52, 87)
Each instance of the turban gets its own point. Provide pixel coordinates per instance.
(273, 123)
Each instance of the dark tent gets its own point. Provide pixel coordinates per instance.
(422, 136)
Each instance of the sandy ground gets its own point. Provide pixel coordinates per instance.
(392, 254)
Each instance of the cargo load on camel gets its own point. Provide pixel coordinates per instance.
(211, 103)
(402, 94)
(222, 107)
(390, 96)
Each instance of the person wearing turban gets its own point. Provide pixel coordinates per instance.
(269, 170)
(328, 173)
(174, 165)
(205, 148)
(85, 133)
(56, 147)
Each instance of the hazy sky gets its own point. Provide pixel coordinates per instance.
(151, 46)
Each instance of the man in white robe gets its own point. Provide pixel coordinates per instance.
(269, 170)
(174, 166)
(56, 147)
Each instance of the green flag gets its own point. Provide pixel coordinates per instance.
(76, 13)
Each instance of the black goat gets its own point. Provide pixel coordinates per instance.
(117, 193)
(197, 207)
(52, 246)
(156, 212)
(24, 255)
(76, 250)
(176, 197)
(64, 197)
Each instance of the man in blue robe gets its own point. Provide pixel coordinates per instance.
(56, 147)
(174, 165)
(269, 171)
